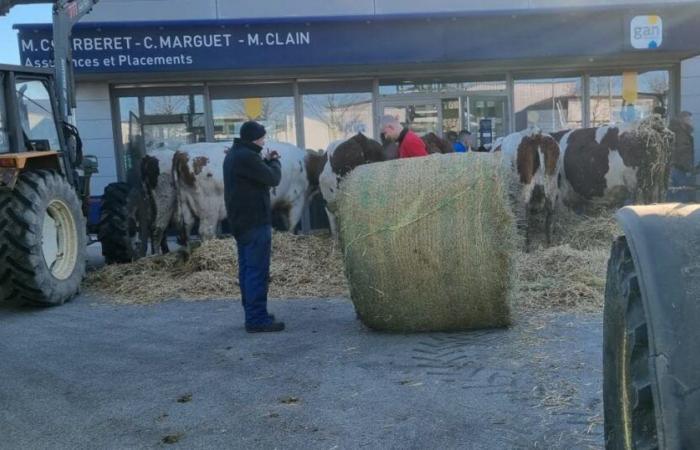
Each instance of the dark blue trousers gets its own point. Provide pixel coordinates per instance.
(254, 248)
(681, 179)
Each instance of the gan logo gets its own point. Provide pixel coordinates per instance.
(646, 32)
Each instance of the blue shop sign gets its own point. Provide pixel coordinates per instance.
(377, 40)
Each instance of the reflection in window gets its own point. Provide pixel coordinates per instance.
(275, 113)
(550, 104)
(329, 117)
(172, 120)
(130, 125)
(4, 136)
(616, 99)
(36, 114)
(485, 116)
(416, 87)
(422, 118)
(450, 115)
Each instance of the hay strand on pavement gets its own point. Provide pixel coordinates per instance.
(302, 266)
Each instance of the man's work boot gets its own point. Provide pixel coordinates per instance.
(266, 328)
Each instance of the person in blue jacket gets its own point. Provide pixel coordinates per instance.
(464, 142)
(248, 176)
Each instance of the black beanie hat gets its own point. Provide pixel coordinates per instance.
(252, 131)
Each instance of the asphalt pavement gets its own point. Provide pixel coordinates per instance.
(91, 374)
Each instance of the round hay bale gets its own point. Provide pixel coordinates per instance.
(429, 243)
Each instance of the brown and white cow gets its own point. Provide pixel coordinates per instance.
(599, 166)
(343, 156)
(533, 157)
(160, 195)
(199, 181)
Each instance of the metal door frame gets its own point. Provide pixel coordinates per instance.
(405, 100)
(436, 98)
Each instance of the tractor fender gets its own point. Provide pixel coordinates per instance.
(664, 241)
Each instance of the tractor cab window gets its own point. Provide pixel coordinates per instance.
(36, 116)
(4, 136)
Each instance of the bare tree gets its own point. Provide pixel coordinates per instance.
(168, 105)
(270, 108)
(273, 112)
(657, 83)
(339, 112)
(600, 95)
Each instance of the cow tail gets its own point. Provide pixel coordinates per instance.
(541, 158)
(178, 160)
(150, 172)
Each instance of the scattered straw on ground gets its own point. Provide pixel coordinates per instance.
(570, 275)
(302, 266)
(586, 232)
(561, 277)
(567, 276)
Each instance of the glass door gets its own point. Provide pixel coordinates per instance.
(450, 116)
(171, 120)
(485, 116)
(420, 116)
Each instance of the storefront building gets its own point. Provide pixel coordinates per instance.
(161, 73)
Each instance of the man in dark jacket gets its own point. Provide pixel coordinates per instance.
(248, 177)
(683, 170)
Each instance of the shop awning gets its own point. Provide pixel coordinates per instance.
(659, 33)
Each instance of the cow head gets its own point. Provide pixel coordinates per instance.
(314, 162)
(354, 152)
(150, 170)
(181, 169)
(436, 144)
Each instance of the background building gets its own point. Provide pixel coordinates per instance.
(154, 73)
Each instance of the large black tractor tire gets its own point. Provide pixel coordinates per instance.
(119, 229)
(628, 383)
(42, 240)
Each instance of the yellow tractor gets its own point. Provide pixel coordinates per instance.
(44, 177)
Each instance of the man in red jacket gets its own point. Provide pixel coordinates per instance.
(410, 144)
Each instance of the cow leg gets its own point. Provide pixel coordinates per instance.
(165, 210)
(527, 229)
(295, 213)
(144, 220)
(164, 249)
(548, 221)
(207, 228)
(332, 223)
(185, 226)
(144, 235)
(158, 241)
(211, 214)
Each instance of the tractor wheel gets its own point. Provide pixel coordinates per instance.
(628, 386)
(42, 240)
(120, 230)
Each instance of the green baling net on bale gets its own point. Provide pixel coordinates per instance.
(429, 243)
